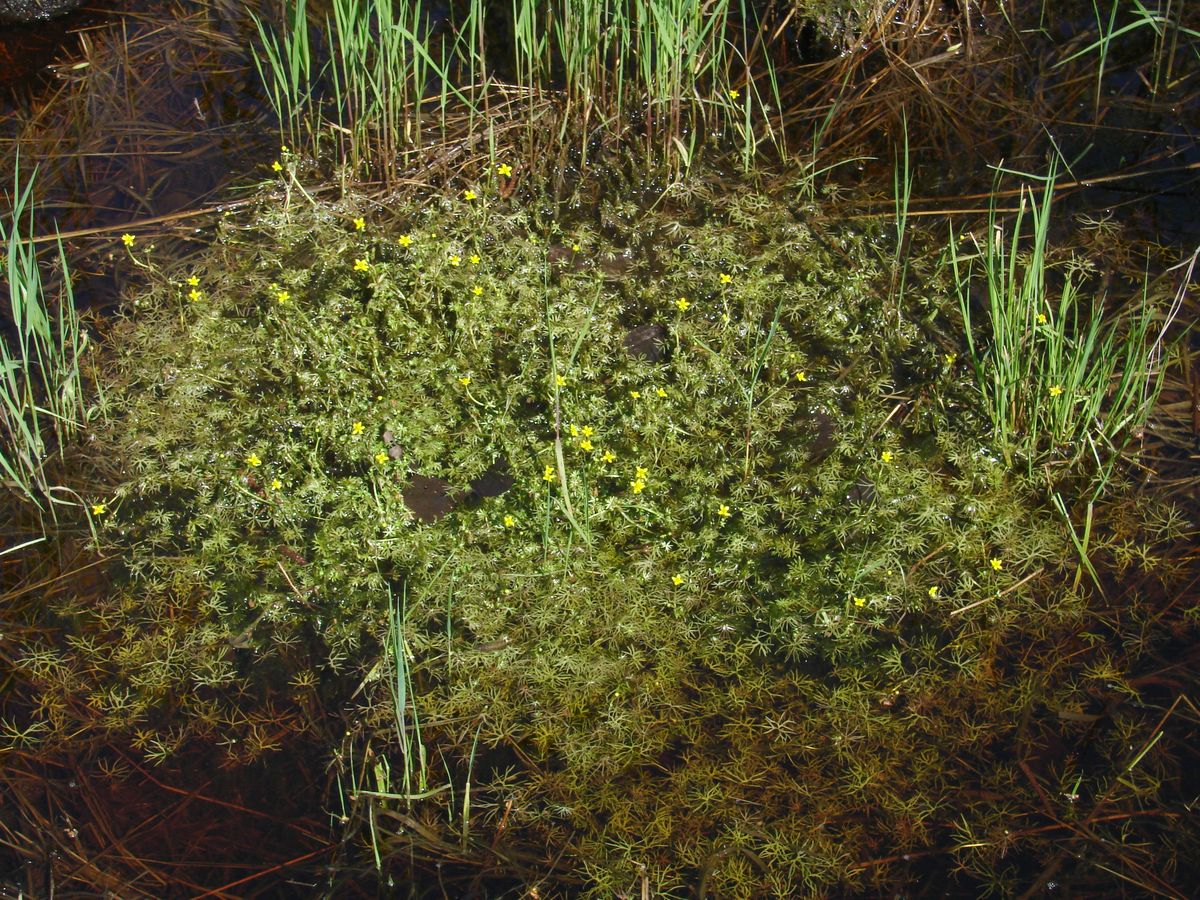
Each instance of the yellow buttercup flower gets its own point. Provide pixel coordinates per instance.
(469, 195)
(723, 511)
(360, 224)
(504, 169)
(574, 429)
(682, 303)
(253, 460)
(193, 281)
(575, 248)
(456, 260)
(734, 93)
(128, 239)
(886, 456)
(996, 564)
(585, 444)
(660, 392)
(477, 290)
(99, 509)
(677, 580)
(465, 380)
(381, 457)
(641, 473)
(860, 602)
(726, 278)
(588, 431)
(474, 260)
(1055, 390)
(276, 484)
(1041, 318)
(560, 381)
(638, 485)
(195, 295)
(636, 395)
(404, 240)
(357, 428)
(283, 297)
(933, 592)
(361, 265)
(609, 456)
(801, 376)
(509, 521)
(277, 166)
(548, 473)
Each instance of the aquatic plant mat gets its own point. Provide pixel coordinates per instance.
(505, 513)
(664, 548)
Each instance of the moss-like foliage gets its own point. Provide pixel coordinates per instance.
(701, 568)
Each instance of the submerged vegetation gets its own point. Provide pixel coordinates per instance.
(549, 453)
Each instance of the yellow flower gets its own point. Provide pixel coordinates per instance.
(1055, 390)
(726, 278)
(360, 224)
(575, 248)
(638, 485)
(801, 376)
(886, 456)
(560, 381)
(609, 456)
(276, 166)
(456, 260)
(859, 602)
(469, 195)
(641, 473)
(283, 296)
(585, 444)
(474, 260)
(548, 473)
(950, 358)
(465, 380)
(193, 281)
(276, 484)
(504, 169)
(477, 290)
(1041, 318)
(128, 239)
(677, 580)
(660, 392)
(99, 509)
(996, 563)
(253, 460)
(933, 592)
(404, 240)
(734, 93)
(356, 428)
(636, 395)
(509, 521)
(588, 431)
(683, 304)
(723, 511)
(381, 457)
(574, 429)
(195, 295)
(361, 265)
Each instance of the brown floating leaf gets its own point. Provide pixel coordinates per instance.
(647, 342)
(429, 498)
(494, 482)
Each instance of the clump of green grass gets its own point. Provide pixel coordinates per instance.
(1057, 375)
(42, 403)
(638, 550)
(668, 69)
